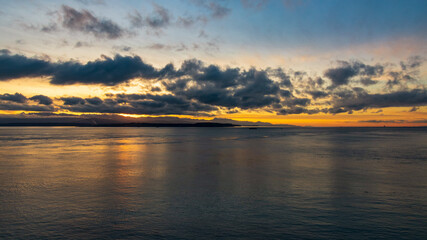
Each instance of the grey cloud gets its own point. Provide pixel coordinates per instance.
(297, 110)
(216, 10)
(136, 19)
(227, 88)
(412, 62)
(84, 21)
(41, 99)
(285, 79)
(17, 97)
(94, 100)
(318, 94)
(159, 18)
(196, 85)
(19, 102)
(297, 102)
(368, 81)
(5, 52)
(414, 109)
(107, 71)
(122, 48)
(341, 75)
(186, 21)
(363, 100)
(52, 27)
(144, 104)
(80, 44)
(72, 100)
(94, 2)
(25, 107)
(17, 66)
(383, 121)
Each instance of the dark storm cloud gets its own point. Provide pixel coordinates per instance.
(363, 100)
(141, 104)
(17, 97)
(297, 110)
(17, 66)
(84, 21)
(318, 94)
(19, 102)
(5, 52)
(228, 87)
(196, 86)
(367, 81)
(72, 100)
(94, 101)
(25, 107)
(341, 75)
(285, 79)
(41, 99)
(107, 71)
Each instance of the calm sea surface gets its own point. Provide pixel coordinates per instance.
(198, 183)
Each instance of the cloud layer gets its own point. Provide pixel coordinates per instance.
(197, 88)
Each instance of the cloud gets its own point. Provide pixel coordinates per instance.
(216, 10)
(17, 101)
(318, 94)
(94, 101)
(412, 63)
(122, 48)
(25, 107)
(159, 18)
(359, 100)
(106, 71)
(84, 21)
(52, 27)
(41, 99)
(72, 100)
(5, 52)
(17, 97)
(94, 2)
(341, 75)
(80, 44)
(138, 104)
(367, 81)
(255, 4)
(197, 86)
(17, 66)
(414, 109)
(382, 121)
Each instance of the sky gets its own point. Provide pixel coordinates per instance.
(299, 62)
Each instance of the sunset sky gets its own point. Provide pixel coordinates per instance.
(299, 62)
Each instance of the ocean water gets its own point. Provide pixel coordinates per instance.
(205, 183)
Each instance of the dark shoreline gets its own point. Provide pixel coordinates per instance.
(119, 125)
(179, 125)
